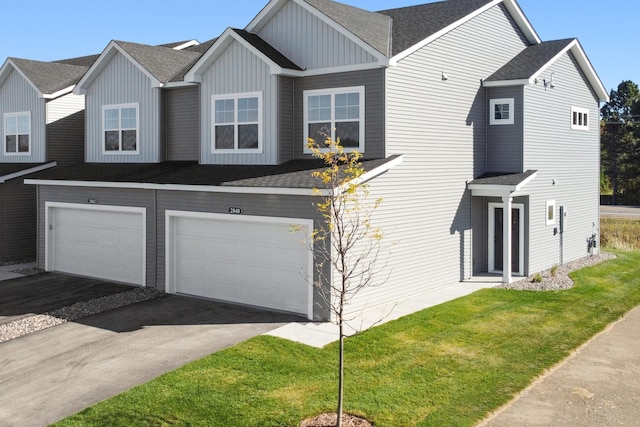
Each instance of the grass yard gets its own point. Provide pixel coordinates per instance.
(620, 233)
(445, 366)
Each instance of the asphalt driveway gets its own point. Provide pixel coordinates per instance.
(56, 372)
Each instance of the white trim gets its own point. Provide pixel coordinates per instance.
(580, 113)
(501, 101)
(171, 214)
(549, 204)
(24, 172)
(334, 70)
(360, 90)
(235, 97)
(4, 74)
(120, 107)
(186, 45)
(497, 190)
(491, 227)
(59, 93)
(17, 153)
(48, 240)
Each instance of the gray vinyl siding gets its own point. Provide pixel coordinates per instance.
(17, 220)
(309, 42)
(504, 142)
(571, 157)
(374, 84)
(182, 123)
(251, 204)
(440, 127)
(286, 134)
(121, 82)
(105, 196)
(237, 71)
(18, 96)
(65, 129)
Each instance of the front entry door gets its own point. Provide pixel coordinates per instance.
(496, 241)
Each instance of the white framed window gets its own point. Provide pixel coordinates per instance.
(550, 212)
(17, 133)
(237, 123)
(120, 129)
(579, 118)
(338, 113)
(501, 111)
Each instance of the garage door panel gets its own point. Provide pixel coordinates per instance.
(254, 261)
(101, 242)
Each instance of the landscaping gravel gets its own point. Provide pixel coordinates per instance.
(38, 322)
(560, 280)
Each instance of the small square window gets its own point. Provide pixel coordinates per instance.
(501, 111)
(550, 212)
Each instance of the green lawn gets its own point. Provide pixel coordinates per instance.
(446, 366)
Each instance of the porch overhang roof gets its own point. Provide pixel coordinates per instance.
(496, 184)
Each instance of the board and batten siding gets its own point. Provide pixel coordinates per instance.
(121, 82)
(571, 157)
(236, 71)
(440, 128)
(181, 109)
(18, 96)
(504, 142)
(65, 129)
(250, 204)
(374, 84)
(106, 197)
(309, 42)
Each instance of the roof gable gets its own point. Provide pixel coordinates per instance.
(267, 53)
(527, 66)
(49, 79)
(159, 63)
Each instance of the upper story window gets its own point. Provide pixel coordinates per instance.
(120, 125)
(338, 113)
(237, 123)
(17, 133)
(579, 118)
(501, 111)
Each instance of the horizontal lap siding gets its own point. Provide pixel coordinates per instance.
(236, 71)
(18, 221)
(309, 42)
(571, 157)
(440, 127)
(182, 123)
(121, 82)
(504, 142)
(105, 196)
(65, 129)
(18, 96)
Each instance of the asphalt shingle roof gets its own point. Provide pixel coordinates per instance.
(413, 24)
(83, 61)
(502, 178)
(292, 174)
(162, 62)
(528, 62)
(267, 49)
(50, 77)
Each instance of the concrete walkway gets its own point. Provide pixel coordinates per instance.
(7, 271)
(599, 385)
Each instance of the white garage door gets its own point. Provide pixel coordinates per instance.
(248, 260)
(103, 242)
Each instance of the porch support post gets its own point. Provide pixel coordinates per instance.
(506, 238)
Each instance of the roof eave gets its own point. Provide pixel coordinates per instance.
(505, 83)
(6, 70)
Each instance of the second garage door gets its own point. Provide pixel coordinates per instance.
(248, 260)
(106, 242)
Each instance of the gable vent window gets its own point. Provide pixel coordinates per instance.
(120, 125)
(337, 113)
(237, 123)
(501, 111)
(17, 133)
(579, 118)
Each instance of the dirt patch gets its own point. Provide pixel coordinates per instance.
(331, 419)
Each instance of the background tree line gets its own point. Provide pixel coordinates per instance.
(620, 145)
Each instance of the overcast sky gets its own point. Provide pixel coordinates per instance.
(608, 29)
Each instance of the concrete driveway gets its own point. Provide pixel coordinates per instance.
(56, 372)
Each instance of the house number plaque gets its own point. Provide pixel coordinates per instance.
(235, 211)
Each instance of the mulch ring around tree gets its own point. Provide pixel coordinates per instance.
(330, 420)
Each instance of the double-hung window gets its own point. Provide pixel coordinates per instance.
(501, 111)
(17, 133)
(120, 125)
(335, 113)
(579, 118)
(237, 124)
